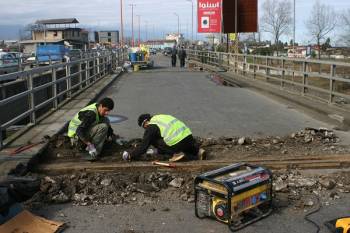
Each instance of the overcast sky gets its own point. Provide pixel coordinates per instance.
(159, 14)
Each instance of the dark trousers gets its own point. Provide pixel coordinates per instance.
(173, 61)
(182, 62)
(188, 146)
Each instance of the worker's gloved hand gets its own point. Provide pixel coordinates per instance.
(151, 151)
(91, 149)
(126, 156)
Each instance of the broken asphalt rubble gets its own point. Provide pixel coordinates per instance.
(292, 187)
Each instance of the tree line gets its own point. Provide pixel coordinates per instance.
(277, 20)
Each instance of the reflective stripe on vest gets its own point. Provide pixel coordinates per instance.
(171, 129)
(75, 122)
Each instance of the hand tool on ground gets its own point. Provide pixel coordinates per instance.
(171, 165)
(25, 147)
(339, 225)
(46, 138)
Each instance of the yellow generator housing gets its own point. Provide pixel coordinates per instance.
(237, 195)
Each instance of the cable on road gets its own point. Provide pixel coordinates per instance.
(307, 215)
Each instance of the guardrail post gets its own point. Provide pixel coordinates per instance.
(80, 75)
(114, 61)
(97, 66)
(87, 71)
(267, 69)
(331, 83)
(228, 60)
(31, 99)
(283, 72)
(54, 88)
(236, 63)
(254, 67)
(244, 64)
(304, 81)
(69, 82)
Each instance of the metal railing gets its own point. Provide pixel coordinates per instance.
(325, 80)
(43, 89)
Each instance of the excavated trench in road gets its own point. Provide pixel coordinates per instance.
(292, 187)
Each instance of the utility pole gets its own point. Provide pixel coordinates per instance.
(121, 24)
(192, 16)
(139, 42)
(132, 25)
(294, 30)
(236, 26)
(146, 22)
(178, 24)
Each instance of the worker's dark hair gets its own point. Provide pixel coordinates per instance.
(107, 103)
(142, 118)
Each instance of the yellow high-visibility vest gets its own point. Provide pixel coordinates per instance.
(75, 122)
(171, 129)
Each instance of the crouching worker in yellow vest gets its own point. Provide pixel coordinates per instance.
(169, 136)
(90, 128)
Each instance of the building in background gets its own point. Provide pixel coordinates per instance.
(179, 38)
(160, 44)
(107, 38)
(56, 31)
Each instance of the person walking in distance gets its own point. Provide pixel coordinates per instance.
(173, 56)
(182, 56)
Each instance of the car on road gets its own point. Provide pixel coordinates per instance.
(167, 51)
(152, 51)
(8, 63)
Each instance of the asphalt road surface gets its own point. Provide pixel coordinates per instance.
(211, 110)
(175, 217)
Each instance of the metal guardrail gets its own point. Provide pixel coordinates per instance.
(325, 80)
(46, 88)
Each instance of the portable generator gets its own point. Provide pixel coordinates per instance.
(237, 195)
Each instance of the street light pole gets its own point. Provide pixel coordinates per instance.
(121, 24)
(132, 24)
(146, 22)
(192, 16)
(178, 24)
(294, 30)
(139, 16)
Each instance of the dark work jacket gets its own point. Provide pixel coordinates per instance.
(182, 54)
(87, 119)
(150, 137)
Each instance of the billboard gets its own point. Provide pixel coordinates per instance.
(209, 16)
(247, 16)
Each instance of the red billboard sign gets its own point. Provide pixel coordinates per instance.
(209, 16)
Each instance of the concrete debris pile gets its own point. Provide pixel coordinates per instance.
(305, 142)
(88, 189)
(302, 191)
(291, 189)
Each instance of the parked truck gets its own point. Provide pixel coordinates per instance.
(51, 53)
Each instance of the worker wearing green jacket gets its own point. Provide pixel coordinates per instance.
(90, 127)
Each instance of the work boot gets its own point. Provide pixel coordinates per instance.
(202, 155)
(177, 157)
